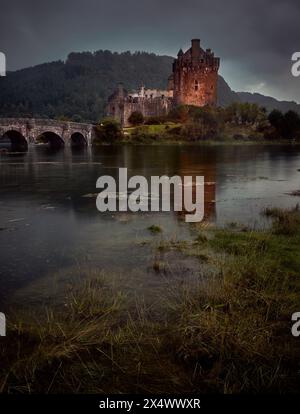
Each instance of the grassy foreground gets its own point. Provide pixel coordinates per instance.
(229, 332)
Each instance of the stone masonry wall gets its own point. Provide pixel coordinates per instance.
(148, 107)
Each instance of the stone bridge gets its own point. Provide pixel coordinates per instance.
(22, 132)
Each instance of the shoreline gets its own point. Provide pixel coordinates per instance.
(228, 333)
(201, 143)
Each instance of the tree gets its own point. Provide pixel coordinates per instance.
(109, 130)
(136, 118)
(179, 114)
(244, 113)
(286, 125)
(292, 124)
(63, 118)
(276, 118)
(76, 118)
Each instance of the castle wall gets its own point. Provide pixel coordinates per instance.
(148, 107)
(115, 109)
(153, 103)
(195, 86)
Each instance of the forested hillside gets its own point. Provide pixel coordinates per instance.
(78, 88)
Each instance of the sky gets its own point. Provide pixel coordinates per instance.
(255, 39)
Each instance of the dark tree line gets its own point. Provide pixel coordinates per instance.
(284, 125)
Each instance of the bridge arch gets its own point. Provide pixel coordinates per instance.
(51, 138)
(78, 140)
(14, 140)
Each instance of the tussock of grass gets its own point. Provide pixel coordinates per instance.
(201, 238)
(155, 229)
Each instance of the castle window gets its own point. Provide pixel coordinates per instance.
(196, 85)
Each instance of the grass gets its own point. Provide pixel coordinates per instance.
(93, 345)
(285, 221)
(171, 132)
(229, 332)
(154, 129)
(237, 327)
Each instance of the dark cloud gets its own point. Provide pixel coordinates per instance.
(255, 40)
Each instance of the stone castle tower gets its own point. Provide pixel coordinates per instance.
(195, 76)
(193, 82)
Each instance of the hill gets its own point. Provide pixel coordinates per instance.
(78, 88)
(268, 102)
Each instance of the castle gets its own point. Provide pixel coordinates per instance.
(193, 82)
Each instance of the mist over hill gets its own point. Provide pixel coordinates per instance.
(78, 88)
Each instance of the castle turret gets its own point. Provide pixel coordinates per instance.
(195, 49)
(171, 83)
(120, 90)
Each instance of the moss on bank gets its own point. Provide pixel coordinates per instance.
(229, 332)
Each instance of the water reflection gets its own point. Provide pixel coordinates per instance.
(49, 218)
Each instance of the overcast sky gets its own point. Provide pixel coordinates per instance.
(254, 38)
